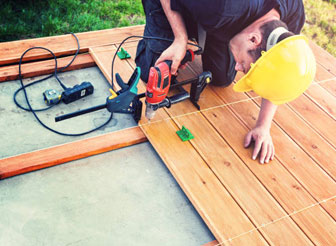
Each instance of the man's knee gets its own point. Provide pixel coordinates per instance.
(145, 59)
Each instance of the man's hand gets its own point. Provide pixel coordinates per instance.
(263, 144)
(261, 133)
(175, 52)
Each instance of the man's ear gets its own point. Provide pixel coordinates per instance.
(255, 38)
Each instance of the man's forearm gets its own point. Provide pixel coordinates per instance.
(176, 22)
(266, 114)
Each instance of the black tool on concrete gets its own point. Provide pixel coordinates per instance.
(124, 101)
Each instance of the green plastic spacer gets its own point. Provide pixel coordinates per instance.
(184, 134)
(123, 54)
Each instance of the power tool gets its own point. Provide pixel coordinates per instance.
(124, 101)
(159, 83)
(127, 101)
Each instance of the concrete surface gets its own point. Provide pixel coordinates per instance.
(123, 197)
(19, 130)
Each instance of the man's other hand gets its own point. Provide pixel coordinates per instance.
(263, 144)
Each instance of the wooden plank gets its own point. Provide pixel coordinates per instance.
(316, 118)
(10, 52)
(324, 58)
(56, 155)
(196, 179)
(310, 141)
(212, 201)
(291, 156)
(323, 99)
(241, 178)
(256, 202)
(322, 73)
(330, 86)
(297, 195)
(32, 69)
(283, 187)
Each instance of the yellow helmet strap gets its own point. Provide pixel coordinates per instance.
(274, 36)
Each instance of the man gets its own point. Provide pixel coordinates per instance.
(237, 32)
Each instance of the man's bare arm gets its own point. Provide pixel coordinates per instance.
(178, 48)
(261, 133)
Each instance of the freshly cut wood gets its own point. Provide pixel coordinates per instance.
(194, 176)
(244, 187)
(316, 118)
(208, 102)
(330, 86)
(324, 58)
(292, 157)
(56, 155)
(45, 67)
(290, 194)
(217, 208)
(322, 74)
(325, 100)
(10, 52)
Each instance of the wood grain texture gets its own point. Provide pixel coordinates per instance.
(281, 186)
(324, 58)
(32, 69)
(217, 208)
(56, 155)
(10, 52)
(293, 157)
(194, 176)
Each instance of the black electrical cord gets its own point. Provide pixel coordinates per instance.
(23, 87)
(199, 51)
(48, 77)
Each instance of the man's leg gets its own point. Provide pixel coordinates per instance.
(218, 59)
(157, 25)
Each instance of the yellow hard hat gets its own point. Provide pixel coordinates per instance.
(282, 73)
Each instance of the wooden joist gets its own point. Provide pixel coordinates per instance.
(32, 69)
(60, 154)
(10, 52)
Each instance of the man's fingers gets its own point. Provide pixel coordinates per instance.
(248, 139)
(269, 153)
(174, 67)
(264, 150)
(273, 152)
(257, 147)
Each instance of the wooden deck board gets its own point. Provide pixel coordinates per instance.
(60, 154)
(293, 158)
(185, 175)
(288, 192)
(10, 52)
(45, 67)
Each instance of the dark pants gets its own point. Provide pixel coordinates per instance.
(216, 57)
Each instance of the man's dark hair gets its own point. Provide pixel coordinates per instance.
(266, 30)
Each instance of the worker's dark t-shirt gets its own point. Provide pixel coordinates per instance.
(222, 19)
(226, 18)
